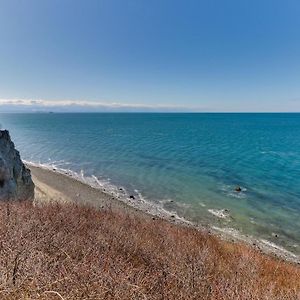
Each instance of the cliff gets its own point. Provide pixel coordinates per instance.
(15, 178)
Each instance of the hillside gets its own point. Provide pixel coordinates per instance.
(69, 251)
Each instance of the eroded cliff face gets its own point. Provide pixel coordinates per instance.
(15, 178)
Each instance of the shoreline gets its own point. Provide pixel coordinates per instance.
(54, 184)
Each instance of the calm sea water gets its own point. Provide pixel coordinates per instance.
(188, 163)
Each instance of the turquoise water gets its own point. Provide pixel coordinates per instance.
(188, 163)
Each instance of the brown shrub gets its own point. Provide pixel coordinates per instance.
(65, 251)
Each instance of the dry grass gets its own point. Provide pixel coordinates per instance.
(72, 252)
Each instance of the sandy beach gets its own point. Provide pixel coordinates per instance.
(54, 185)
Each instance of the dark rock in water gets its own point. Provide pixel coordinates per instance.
(131, 197)
(238, 189)
(15, 178)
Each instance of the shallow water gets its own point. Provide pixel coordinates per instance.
(188, 163)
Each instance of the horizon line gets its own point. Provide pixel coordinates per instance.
(19, 105)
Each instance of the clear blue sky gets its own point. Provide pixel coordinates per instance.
(197, 55)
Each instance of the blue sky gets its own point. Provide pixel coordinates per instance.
(150, 55)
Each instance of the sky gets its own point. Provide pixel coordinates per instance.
(157, 55)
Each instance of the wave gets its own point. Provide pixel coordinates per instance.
(220, 213)
(229, 191)
(138, 201)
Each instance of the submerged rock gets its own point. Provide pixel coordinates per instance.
(238, 189)
(15, 178)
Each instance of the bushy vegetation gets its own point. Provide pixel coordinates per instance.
(66, 251)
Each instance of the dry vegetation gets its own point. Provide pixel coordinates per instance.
(72, 252)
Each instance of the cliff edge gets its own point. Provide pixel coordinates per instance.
(15, 178)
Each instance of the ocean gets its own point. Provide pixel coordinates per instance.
(188, 164)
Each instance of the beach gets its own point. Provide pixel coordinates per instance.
(53, 185)
(56, 185)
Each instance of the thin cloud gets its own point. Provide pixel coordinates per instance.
(39, 105)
